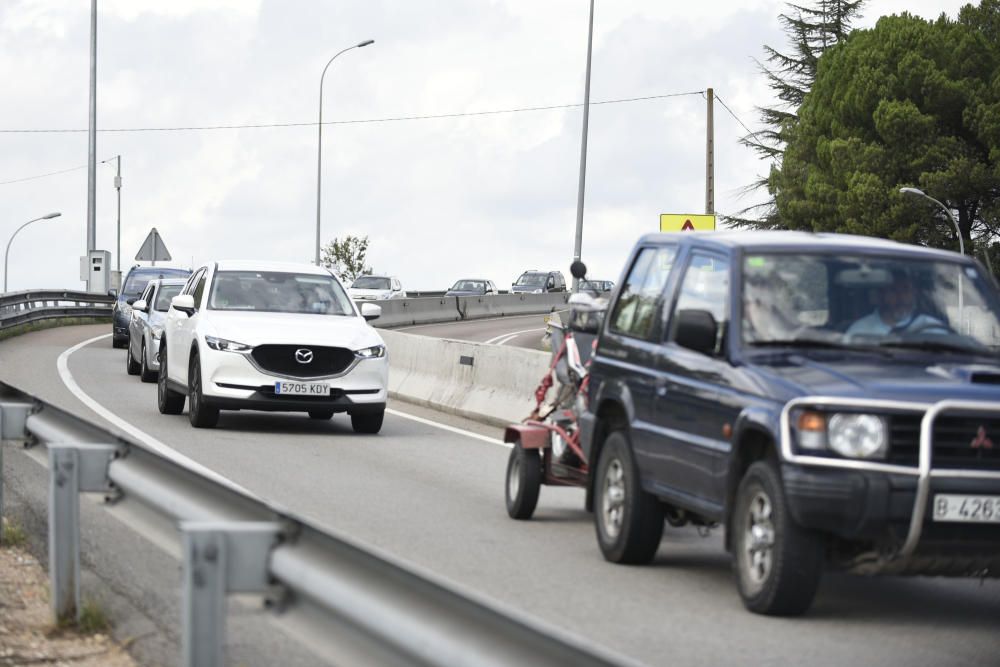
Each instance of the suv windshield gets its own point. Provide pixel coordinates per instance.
(865, 301)
(371, 282)
(136, 282)
(469, 286)
(532, 279)
(164, 295)
(278, 292)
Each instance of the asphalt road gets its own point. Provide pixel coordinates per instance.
(435, 498)
(517, 331)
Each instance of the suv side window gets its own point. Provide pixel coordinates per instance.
(199, 289)
(635, 310)
(705, 288)
(192, 281)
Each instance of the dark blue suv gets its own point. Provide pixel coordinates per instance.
(831, 401)
(132, 287)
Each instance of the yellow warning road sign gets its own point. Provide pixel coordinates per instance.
(686, 222)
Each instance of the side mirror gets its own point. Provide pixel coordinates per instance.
(140, 306)
(183, 303)
(113, 293)
(578, 269)
(131, 300)
(696, 330)
(370, 311)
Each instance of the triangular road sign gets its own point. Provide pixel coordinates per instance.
(152, 249)
(688, 226)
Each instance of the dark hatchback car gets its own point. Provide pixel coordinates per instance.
(539, 282)
(132, 288)
(472, 287)
(832, 401)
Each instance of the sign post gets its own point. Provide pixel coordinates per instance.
(686, 222)
(153, 250)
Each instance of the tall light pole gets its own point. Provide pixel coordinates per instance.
(6, 255)
(319, 149)
(578, 245)
(92, 137)
(961, 244)
(118, 188)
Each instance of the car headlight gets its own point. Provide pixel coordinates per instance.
(223, 345)
(157, 331)
(858, 436)
(374, 352)
(537, 291)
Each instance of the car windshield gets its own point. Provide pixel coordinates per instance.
(836, 300)
(532, 279)
(371, 282)
(136, 283)
(469, 286)
(278, 292)
(164, 295)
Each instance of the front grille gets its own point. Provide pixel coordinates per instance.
(952, 441)
(281, 360)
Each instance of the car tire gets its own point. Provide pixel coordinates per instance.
(628, 521)
(118, 343)
(145, 374)
(778, 564)
(168, 401)
(321, 415)
(524, 481)
(131, 367)
(200, 415)
(367, 422)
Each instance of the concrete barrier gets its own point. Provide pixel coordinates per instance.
(404, 312)
(488, 383)
(477, 307)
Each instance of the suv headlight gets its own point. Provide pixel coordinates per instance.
(223, 345)
(374, 352)
(852, 435)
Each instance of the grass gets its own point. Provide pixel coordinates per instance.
(13, 534)
(93, 619)
(30, 327)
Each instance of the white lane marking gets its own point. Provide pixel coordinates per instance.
(507, 337)
(451, 429)
(62, 364)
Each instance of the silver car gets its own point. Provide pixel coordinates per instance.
(146, 327)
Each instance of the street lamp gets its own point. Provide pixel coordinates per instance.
(6, 256)
(961, 246)
(319, 149)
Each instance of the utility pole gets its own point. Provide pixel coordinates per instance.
(92, 143)
(578, 245)
(710, 156)
(118, 188)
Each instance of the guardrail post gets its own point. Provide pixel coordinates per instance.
(13, 417)
(219, 558)
(72, 468)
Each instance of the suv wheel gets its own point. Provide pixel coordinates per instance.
(778, 563)
(145, 374)
(131, 367)
(168, 401)
(524, 480)
(628, 520)
(367, 422)
(200, 415)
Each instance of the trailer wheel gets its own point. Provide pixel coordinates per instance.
(524, 480)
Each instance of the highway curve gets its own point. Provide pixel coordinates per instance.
(435, 498)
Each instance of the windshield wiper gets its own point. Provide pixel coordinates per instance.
(816, 343)
(937, 346)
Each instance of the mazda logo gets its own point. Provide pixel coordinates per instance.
(303, 356)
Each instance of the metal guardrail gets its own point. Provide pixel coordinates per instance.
(37, 305)
(233, 542)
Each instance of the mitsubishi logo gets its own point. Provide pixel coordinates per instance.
(305, 356)
(981, 441)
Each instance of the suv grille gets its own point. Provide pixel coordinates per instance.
(952, 443)
(281, 359)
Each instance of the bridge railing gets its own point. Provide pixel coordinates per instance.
(357, 602)
(36, 305)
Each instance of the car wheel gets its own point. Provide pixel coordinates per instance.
(321, 414)
(169, 402)
(524, 481)
(367, 422)
(118, 342)
(200, 415)
(131, 367)
(145, 374)
(778, 563)
(628, 520)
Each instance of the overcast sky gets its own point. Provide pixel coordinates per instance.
(479, 196)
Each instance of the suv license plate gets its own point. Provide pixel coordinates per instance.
(301, 389)
(971, 509)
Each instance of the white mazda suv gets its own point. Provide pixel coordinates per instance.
(246, 335)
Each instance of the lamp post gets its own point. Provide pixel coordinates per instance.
(581, 189)
(319, 149)
(6, 256)
(961, 246)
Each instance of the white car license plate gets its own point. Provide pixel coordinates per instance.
(971, 509)
(301, 389)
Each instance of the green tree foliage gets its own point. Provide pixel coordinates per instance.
(347, 257)
(907, 103)
(811, 30)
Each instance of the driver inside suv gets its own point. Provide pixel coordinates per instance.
(896, 311)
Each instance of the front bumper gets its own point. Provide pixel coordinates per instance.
(889, 505)
(232, 382)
